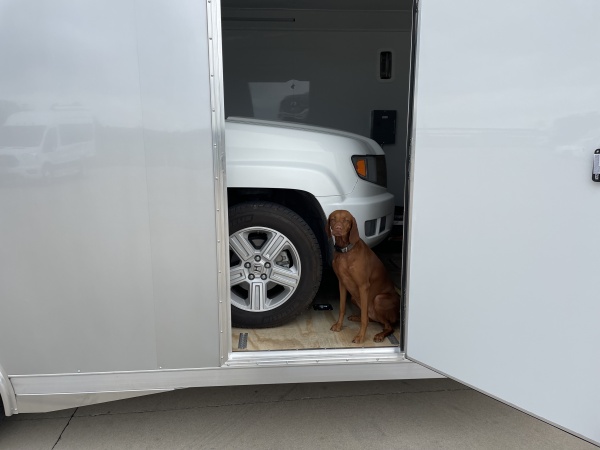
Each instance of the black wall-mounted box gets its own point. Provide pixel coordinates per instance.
(383, 126)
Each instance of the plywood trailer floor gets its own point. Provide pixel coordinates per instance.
(311, 329)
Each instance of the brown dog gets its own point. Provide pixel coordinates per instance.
(362, 274)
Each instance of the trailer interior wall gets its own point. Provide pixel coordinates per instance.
(328, 53)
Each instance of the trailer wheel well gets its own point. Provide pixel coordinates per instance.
(8, 401)
(302, 203)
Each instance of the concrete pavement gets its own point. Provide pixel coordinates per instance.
(408, 414)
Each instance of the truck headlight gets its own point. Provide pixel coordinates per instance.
(371, 168)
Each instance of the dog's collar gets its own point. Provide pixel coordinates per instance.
(345, 249)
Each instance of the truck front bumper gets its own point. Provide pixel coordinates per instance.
(374, 213)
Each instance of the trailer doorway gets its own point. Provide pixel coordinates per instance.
(332, 64)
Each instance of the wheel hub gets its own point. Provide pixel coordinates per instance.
(265, 269)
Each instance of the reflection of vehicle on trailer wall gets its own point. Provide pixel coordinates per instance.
(35, 144)
(117, 283)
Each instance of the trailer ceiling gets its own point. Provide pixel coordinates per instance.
(361, 5)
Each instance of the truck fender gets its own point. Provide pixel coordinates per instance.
(316, 179)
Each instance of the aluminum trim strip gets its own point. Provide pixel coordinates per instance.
(218, 376)
(409, 194)
(306, 357)
(213, 9)
(40, 403)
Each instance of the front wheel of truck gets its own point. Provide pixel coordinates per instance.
(275, 264)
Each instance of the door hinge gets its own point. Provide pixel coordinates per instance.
(596, 169)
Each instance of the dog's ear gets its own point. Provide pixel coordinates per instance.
(354, 236)
(328, 227)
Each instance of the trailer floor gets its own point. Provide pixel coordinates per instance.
(311, 329)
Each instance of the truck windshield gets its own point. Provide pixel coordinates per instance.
(21, 136)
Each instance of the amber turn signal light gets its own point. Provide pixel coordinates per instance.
(360, 165)
(371, 168)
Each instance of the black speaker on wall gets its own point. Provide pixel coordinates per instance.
(383, 126)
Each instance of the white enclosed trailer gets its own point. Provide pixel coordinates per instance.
(116, 283)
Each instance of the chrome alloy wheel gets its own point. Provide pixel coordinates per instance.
(264, 269)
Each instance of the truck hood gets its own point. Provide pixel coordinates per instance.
(303, 127)
(267, 154)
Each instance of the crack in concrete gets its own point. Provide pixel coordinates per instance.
(189, 408)
(63, 430)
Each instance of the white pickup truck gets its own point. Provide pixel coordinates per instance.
(283, 180)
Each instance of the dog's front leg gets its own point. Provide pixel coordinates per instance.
(343, 294)
(364, 313)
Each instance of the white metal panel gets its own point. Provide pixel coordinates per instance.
(75, 260)
(176, 107)
(108, 262)
(503, 260)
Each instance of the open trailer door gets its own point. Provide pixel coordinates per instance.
(503, 258)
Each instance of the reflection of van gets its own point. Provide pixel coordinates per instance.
(37, 144)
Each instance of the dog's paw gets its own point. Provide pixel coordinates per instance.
(379, 337)
(354, 318)
(358, 339)
(336, 327)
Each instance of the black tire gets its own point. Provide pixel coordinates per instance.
(275, 264)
